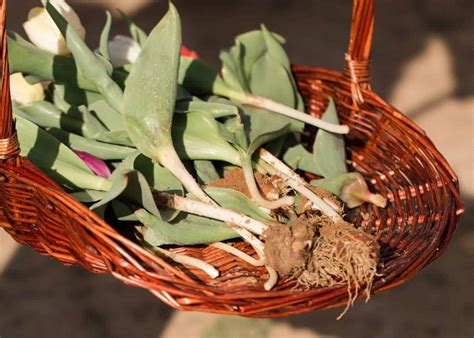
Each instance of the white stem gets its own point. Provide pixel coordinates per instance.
(261, 102)
(253, 188)
(256, 244)
(191, 261)
(297, 183)
(213, 211)
(170, 159)
(272, 279)
(236, 252)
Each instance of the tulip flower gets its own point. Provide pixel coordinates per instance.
(43, 32)
(22, 92)
(123, 50)
(98, 166)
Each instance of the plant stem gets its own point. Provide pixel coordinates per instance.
(261, 102)
(253, 188)
(211, 211)
(168, 157)
(297, 183)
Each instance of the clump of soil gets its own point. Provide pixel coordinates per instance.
(288, 246)
(234, 179)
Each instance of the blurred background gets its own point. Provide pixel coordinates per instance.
(423, 63)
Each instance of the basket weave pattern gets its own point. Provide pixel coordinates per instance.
(395, 156)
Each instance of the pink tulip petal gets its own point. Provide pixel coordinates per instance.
(98, 166)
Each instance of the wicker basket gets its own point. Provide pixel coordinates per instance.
(395, 156)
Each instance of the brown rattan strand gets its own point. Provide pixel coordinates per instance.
(395, 156)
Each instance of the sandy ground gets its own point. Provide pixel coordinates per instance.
(423, 52)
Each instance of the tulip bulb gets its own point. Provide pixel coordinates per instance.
(43, 32)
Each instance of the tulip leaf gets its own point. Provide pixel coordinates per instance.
(56, 159)
(107, 115)
(104, 151)
(235, 200)
(206, 171)
(119, 137)
(151, 87)
(213, 108)
(136, 32)
(264, 138)
(105, 36)
(88, 64)
(196, 136)
(66, 96)
(88, 196)
(191, 230)
(329, 149)
(297, 157)
(196, 76)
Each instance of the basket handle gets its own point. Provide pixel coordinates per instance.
(357, 60)
(9, 145)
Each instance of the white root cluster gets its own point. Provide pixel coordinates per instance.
(245, 226)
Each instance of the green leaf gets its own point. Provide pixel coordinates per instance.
(131, 185)
(56, 159)
(329, 149)
(88, 64)
(264, 138)
(253, 47)
(274, 48)
(67, 96)
(107, 115)
(104, 37)
(136, 32)
(232, 71)
(196, 136)
(215, 109)
(235, 200)
(196, 76)
(119, 137)
(151, 87)
(206, 172)
(297, 157)
(88, 196)
(104, 151)
(191, 231)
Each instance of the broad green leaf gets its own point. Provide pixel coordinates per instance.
(65, 96)
(104, 151)
(123, 212)
(253, 47)
(264, 138)
(104, 36)
(187, 232)
(274, 48)
(119, 137)
(196, 136)
(236, 128)
(196, 76)
(132, 186)
(231, 71)
(56, 159)
(45, 148)
(136, 32)
(107, 115)
(215, 109)
(88, 64)
(297, 157)
(152, 86)
(88, 196)
(329, 149)
(235, 200)
(206, 172)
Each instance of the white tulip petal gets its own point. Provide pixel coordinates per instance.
(22, 92)
(123, 50)
(43, 32)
